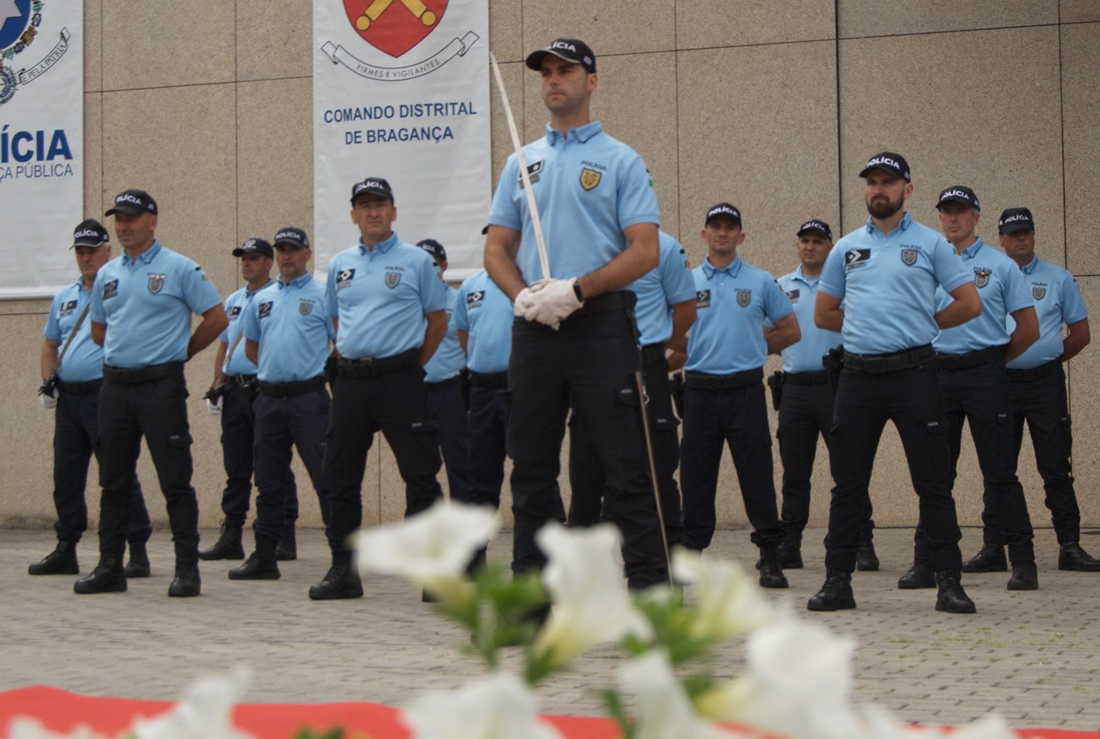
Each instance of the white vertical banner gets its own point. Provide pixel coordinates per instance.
(401, 91)
(41, 143)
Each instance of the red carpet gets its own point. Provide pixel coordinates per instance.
(62, 711)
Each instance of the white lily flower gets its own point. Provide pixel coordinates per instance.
(431, 548)
(591, 603)
(498, 706)
(25, 727)
(729, 602)
(205, 711)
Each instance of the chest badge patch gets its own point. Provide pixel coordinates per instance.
(110, 289)
(981, 276)
(909, 257)
(393, 279)
(702, 298)
(305, 307)
(590, 178)
(474, 299)
(344, 278)
(66, 308)
(744, 297)
(792, 295)
(1038, 291)
(856, 258)
(156, 283)
(265, 309)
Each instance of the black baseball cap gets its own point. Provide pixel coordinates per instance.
(890, 162)
(572, 50)
(722, 210)
(292, 235)
(817, 226)
(959, 194)
(1015, 219)
(372, 186)
(433, 247)
(134, 202)
(254, 246)
(90, 232)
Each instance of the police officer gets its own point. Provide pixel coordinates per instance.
(445, 377)
(970, 363)
(72, 373)
(573, 338)
(886, 274)
(231, 395)
(724, 394)
(806, 398)
(287, 332)
(1037, 394)
(664, 312)
(389, 309)
(141, 312)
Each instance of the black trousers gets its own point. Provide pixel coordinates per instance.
(157, 410)
(300, 421)
(237, 440)
(737, 418)
(586, 478)
(75, 439)
(864, 403)
(979, 396)
(488, 434)
(589, 363)
(447, 407)
(1041, 402)
(397, 405)
(805, 412)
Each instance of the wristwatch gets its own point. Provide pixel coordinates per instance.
(578, 292)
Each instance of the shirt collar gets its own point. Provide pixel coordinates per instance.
(811, 281)
(733, 269)
(580, 133)
(381, 247)
(146, 256)
(249, 293)
(972, 251)
(1030, 266)
(296, 282)
(903, 224)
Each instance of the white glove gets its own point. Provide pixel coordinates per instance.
(47, 394)
(48, 402)
(554, 301)
(214, 407)
(524, 307)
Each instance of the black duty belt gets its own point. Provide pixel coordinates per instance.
(621, 300)
(246, 381)
(79, 388)
(146, 374)
(292, 389)
(1035, 373)
(820, 377)
(491, 380)
(705, 381)
(880, 364)
(970, 360)
(443, 383)
(371, 367)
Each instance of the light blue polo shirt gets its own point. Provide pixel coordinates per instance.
(83, 361)
(235, 306)
(146, 304)
(381, 297)
(888, 285)
(449, 359)
(1003, 290)
(732, 305)
(660, 289)
(291, 323)
(484, 312)
(588, 188)
(806, 353)
(1057, 301)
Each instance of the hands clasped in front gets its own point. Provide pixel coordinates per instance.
(548, 302)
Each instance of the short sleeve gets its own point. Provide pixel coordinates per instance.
(52, 329)
(433, 291)
(833, 278)
(637, 200)
(1017, 291)
(223, 337)
(199, 293)
(330, 290)
(250, 321)
(96, 313)
(504, 211)
(676, 279)
(776, 304)
(459, 317)
(948, 267)
(1073, 305)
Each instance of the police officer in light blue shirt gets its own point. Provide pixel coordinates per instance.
(141, 312)
(970, 360)
(389, 307)
(878, 287)
(72, 374)
(664, 312)
(288, 334)
(724, 394)
(1037, 391)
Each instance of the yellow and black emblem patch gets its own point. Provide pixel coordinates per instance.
(590, 178)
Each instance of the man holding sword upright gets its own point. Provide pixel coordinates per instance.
(574, 338)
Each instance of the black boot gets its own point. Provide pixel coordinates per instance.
(835, 594)
(261, 564)
(61, 561)
(1072, 557)
(107, 577)
(138, 566)
(951, 596)
(288, 546)
(771, 574)
(228, 545)
(866, 559)
(790, 554)
(1024, 576)
(989, 559)
(186, 583)
(341, 581)
(919, 577)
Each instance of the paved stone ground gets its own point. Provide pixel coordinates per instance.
(1031, 656)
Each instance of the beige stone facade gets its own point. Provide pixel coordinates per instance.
(771, 105)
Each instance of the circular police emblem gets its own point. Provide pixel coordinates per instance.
(981, 276)
(7, 85)
(909, 257)
(744, 297)
(16, 20)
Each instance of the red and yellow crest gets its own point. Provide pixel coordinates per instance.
(394, 26)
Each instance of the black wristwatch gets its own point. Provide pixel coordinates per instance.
(578, 292)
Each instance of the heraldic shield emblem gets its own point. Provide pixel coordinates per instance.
(744, 297)
(909, 257)
(305, 307)
(156, 283)
(393, 279)
(981, 276)
(1038, 292)
(590, 178)
(394, 26)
